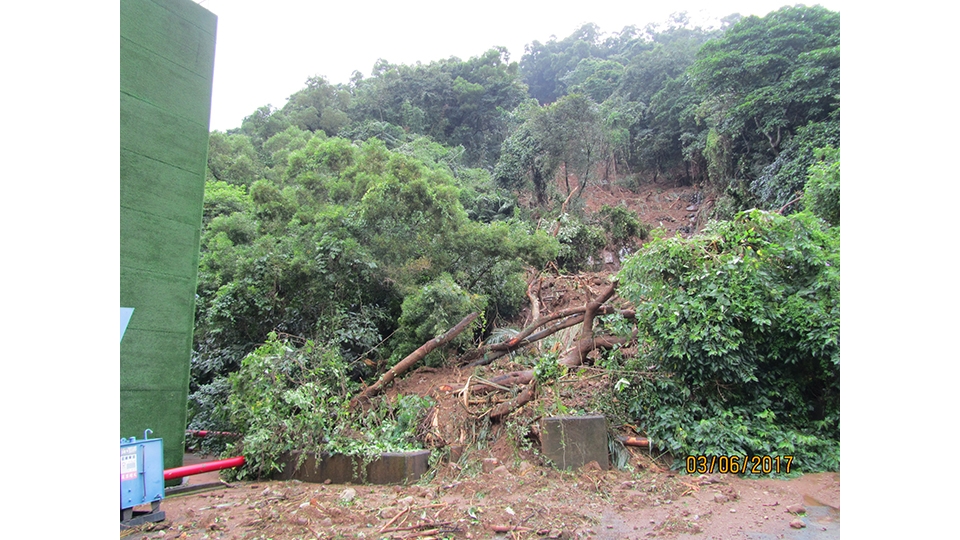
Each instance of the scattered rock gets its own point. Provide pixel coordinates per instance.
(730, 492)
(389, 512)
(501, 471)
(692, 208)
(489, 464)
(590, 467)
(796, 509)
(348, 495)
(405, 502)
(797, 524)
(720, 498)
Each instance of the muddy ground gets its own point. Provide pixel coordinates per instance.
(462, 501)
(501, 487)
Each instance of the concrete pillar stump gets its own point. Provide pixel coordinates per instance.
(571, 442)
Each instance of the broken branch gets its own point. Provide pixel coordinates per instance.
(412, 359)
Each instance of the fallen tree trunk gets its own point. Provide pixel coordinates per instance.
(575, 356)
(515, 342)
(506, 349)
(410, 360)
(572, 358)
(522, 398)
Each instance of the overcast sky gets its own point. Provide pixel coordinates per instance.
(267, 50)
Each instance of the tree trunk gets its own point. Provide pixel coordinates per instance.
(410, 360)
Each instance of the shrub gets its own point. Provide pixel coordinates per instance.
(430, 312)
(284, 399)
(746, 320)
(289, 399)
(579, 242)
(822, 192)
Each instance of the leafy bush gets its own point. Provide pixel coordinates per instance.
(288, 399)
(780, 181)
(622, 224)
(746, 319)
(284, 399)
(579, 242)
(822, 191)
(430, 312)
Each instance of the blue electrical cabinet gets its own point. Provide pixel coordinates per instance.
(141, 477)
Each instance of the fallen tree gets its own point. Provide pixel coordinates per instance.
(411, 359)
(573, 357)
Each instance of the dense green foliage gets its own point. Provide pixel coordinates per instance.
(286, 400)
(822, 192)
(763, 83)
(746, 320)
(346, 245)
(366, 218)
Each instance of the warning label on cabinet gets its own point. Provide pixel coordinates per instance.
(128, 463)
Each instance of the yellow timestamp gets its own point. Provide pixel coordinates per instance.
(739, 464)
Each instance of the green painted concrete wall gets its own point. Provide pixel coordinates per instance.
(166, 78)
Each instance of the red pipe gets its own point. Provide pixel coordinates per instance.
(635, 441)
(188, 470)
(204, 433)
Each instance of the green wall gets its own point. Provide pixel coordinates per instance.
(166, 77)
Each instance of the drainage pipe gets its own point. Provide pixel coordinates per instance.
(635, 441)
(204, 433)
(189, 470)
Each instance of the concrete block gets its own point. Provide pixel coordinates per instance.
(573, 441)
(388, 468)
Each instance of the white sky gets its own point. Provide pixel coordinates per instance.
(266, 50)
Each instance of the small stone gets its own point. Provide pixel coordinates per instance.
(525, 467)
(592, 466)
(405, 502)
(501, 471)
(712, 479)
(348, 495)
(797, 524)
(720, 498)
(692, 208)
(326, 522)
(489, 464)
(796, 509)
(733, 510)
(554, 533)
(389, 513)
